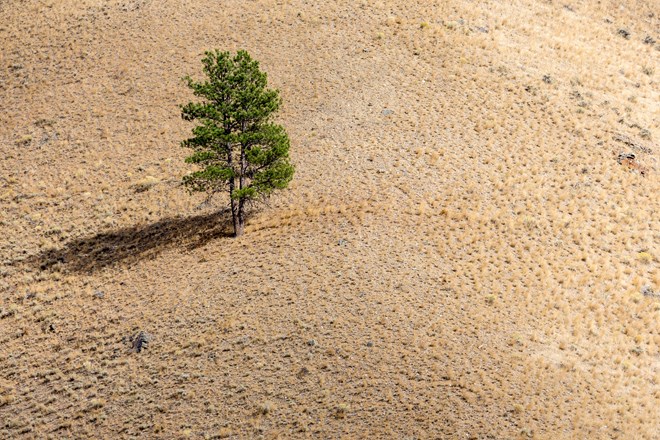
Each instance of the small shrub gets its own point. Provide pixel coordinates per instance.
(341, 410)
(24, 141)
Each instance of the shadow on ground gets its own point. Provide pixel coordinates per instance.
(135, 243)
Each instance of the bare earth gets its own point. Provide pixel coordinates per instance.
(460, 255)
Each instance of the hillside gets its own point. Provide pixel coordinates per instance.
(465, 252)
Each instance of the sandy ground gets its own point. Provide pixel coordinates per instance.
(460, 255)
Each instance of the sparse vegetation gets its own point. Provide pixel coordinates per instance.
(383, 250)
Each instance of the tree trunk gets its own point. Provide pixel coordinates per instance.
(237, 217)
(239, 222)
(235, 204)
(239, 226)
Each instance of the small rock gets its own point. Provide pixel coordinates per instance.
(387, 112)
(99, 294)
(648, 40)
(632, 143)
(547, 79)
(648, 291)
(341, 242)
(625, 156)
(370, 344)
(625, 33)
(311, 342)
(140, 341)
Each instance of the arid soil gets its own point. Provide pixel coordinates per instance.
(469, 248)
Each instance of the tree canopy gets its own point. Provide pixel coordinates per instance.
(239, 150)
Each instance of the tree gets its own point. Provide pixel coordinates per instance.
(240, 151)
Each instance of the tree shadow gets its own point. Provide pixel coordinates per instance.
(134, 243)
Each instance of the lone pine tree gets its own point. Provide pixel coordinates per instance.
(239, 150)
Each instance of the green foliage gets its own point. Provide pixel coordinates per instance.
(237, 147)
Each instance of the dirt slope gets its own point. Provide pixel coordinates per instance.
(460, 255)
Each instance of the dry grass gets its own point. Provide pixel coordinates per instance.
(461, 254)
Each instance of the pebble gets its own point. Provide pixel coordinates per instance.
(648, 291)
(625, 33)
